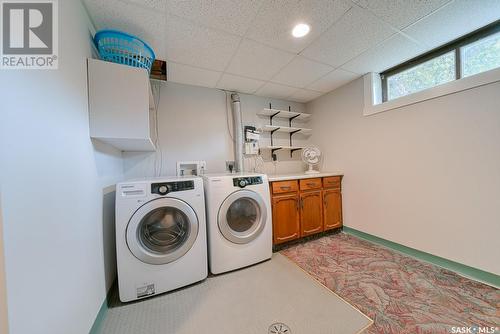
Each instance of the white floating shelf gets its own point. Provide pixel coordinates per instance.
(287, 129)
(284, 114)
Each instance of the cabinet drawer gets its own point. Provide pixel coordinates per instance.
(331, 182)
(309, 184)
(285, 187)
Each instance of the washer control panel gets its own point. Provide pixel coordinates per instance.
(168, 187)
(242, 182)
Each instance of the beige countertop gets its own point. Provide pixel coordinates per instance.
(297, 176)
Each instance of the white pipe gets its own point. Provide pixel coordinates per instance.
(238, 133)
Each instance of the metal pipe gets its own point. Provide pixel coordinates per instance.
(237, 132)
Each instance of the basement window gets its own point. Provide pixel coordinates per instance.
(472, 54)
(433, 72)
(481, 56)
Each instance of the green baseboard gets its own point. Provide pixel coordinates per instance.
(103, 311)
(99, 319)
(469, 272)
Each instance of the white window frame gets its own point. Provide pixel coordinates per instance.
(374, 101)
(373, 91)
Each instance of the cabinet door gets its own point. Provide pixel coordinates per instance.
(285, 218)
(311, 217)
(120, 106)
(332, 208)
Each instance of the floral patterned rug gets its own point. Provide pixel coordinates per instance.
(401, 294)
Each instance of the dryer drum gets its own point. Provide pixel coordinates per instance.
(242, 216)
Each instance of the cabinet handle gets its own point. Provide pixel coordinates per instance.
(297, 204)
(311, 184)
(313, 230)
(285, 188)
(302, 203)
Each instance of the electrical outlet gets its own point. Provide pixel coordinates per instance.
(230, 166)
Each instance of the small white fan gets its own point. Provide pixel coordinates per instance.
(312, 157)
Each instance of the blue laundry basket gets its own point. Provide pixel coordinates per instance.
(119, 47)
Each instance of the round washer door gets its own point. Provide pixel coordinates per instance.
(162, 230)
(242, 216)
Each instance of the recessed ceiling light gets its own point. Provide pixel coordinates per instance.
(300, 30)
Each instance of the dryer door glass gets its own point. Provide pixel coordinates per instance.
(162, 231)
(242, 216)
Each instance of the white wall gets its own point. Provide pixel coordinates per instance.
(57, 206)
(426, 175)
(3, 289)
(193, 126)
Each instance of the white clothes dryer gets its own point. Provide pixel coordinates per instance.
(239, 220)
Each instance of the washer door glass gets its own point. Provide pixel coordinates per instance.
(242, 216)
(162, 231)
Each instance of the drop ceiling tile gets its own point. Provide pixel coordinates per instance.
(190, 75)
(300, 72)
(191, 44)
(143, 23)
(275, 91)
(304, 95)
(229, 15)
(393, 51)
(355, 32)
(401, 13)
(239, 84)
(333, 80)
(154, 4)
(258, 61)
(453, 21)
(276, 19)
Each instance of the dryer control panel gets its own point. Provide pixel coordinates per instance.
(242, 182)
(168, 187)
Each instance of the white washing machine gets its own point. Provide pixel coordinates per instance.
(160, 236)
(239, 220)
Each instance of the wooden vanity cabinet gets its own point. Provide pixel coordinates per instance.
(305, 207)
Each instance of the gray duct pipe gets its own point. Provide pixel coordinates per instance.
(237, 133)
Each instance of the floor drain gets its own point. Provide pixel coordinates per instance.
(279, 328)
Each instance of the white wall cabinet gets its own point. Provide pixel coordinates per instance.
(121, 106)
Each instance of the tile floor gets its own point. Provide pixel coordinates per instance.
(247, 301)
